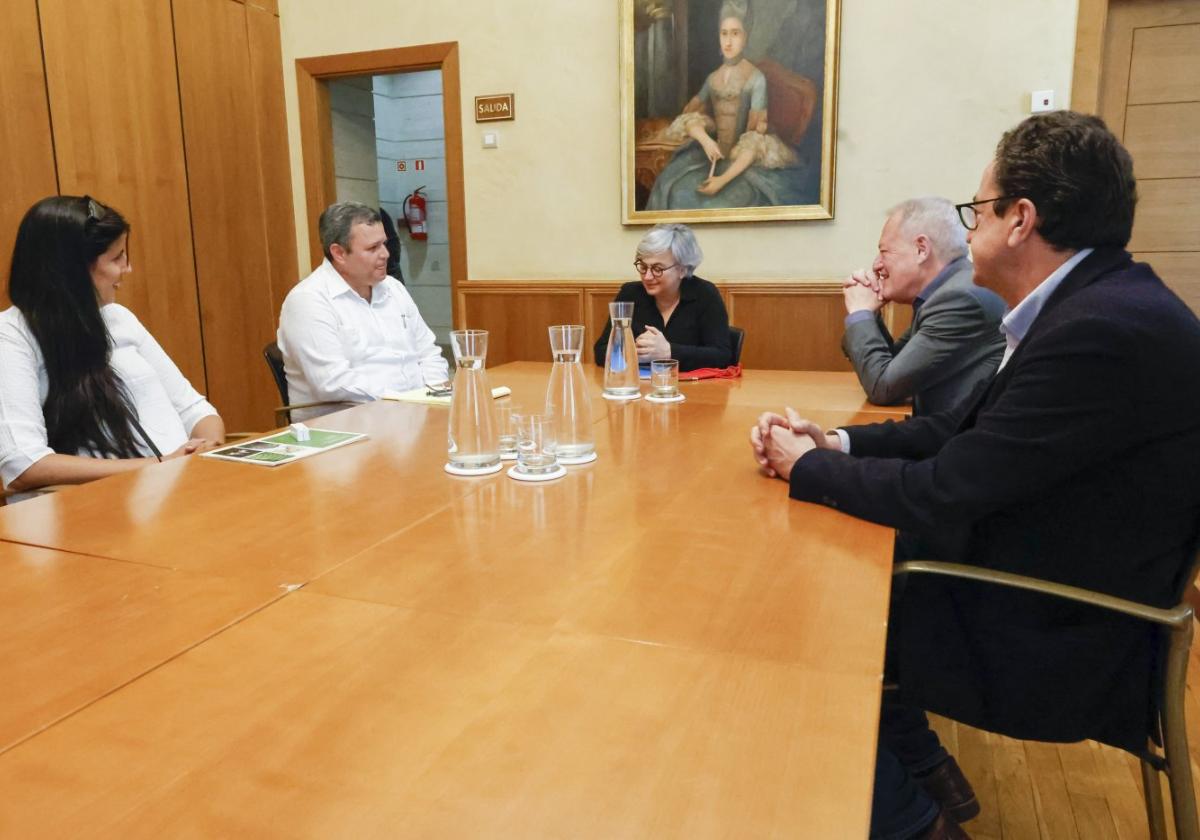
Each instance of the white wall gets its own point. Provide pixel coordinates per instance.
(925, 91)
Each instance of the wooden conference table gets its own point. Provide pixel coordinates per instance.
(659, 644)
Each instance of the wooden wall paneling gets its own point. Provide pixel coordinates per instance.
(269, 6)
(516, 319)
(796, 328)
(26, 149)
(595, 309)
(1166, 64)
(1166, 215)
(229, 217)
(266, 68)
(1180, 270)
(117, 136)
(1162, 140)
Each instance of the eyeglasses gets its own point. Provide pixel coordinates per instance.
(655, 270)
(969, 216)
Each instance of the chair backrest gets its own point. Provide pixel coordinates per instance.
(737, 337)
(275, 363)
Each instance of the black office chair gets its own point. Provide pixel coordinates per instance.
(737, 337)
(1175, 625)
(283, 413)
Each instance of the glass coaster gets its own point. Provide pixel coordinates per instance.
(678, 398)
(620, 397)
(508, 456)
(582, 459)
(494, 468)
(557, 472)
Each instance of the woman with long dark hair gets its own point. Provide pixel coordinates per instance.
(85, 390)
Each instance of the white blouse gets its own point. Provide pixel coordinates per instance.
(167, 406)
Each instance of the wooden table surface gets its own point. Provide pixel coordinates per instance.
(660, 644)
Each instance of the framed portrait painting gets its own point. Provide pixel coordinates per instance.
(728, 110)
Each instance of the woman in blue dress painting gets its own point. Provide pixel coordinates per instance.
(728, 157)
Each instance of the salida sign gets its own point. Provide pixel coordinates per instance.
(499, 106)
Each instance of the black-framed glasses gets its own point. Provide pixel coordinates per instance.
(655, 270)
(969, 216)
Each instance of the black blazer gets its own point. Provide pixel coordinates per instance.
(698, 329)
(1078, 462)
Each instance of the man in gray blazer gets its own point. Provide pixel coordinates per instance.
(954, 341)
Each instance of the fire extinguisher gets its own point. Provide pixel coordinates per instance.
(414, 214)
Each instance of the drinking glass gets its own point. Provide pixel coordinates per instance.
(536, 454)
(664, 378)
(506, 429)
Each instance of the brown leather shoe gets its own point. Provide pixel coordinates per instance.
(945, 828)
(947, 784)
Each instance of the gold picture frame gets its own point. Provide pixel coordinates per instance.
(778, 82)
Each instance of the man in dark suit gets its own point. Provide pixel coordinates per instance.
(954, 340)
(1077, 463)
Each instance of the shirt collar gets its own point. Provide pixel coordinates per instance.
(335, 285)
(1021, 317)
(937, 282)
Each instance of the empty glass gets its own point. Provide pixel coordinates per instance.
(471, 439)
(506, 429)
(567, 399)
(620, 360)
(664, 378)
(535, 444)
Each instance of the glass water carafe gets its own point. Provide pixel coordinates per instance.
(567, 400)
(472, 441)
(620, 359)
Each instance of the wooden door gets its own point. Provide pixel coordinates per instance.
(1150, 97)
(26, 151)
(114, 101)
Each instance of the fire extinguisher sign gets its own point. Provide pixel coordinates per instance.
(417, 165)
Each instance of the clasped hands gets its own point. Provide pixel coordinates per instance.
(651, 345)
(863, 290)
(779, 442)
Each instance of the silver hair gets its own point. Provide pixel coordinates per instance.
(338, 219)
(679, 240)
(739, 9)
(936, 218)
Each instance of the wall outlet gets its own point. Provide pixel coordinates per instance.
(1041, 100)
(491, 139)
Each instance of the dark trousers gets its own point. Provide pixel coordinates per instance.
(900, 808)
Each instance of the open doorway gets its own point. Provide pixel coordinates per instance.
(375, 128)
(389, 146)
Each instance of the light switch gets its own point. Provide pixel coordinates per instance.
(1041, 100)
(491, 139)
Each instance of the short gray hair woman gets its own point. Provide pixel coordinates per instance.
(676, 315)
(676, 238)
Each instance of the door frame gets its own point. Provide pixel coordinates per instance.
(316, 136)
(1090, 24)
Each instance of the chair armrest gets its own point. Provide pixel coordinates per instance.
(283, 412)
(1172, 617)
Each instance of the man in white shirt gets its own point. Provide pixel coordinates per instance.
(349, 332)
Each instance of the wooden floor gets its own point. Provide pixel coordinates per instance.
(1030, 790)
